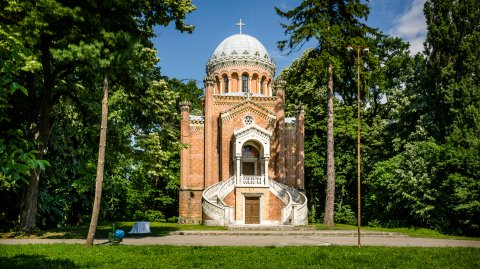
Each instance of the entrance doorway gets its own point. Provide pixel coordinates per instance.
(248, 168)
(252, 210)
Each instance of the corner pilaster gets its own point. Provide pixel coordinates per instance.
(300, 148)
(209, 88)
(279, 87)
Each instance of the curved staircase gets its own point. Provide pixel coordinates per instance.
(295, 211)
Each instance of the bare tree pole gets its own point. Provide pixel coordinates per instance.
(359, 211)
(359, 215)
(100, 165)
(330, 192)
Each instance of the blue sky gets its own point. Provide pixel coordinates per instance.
(184, 56)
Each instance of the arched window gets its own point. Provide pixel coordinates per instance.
(244, 83)
(225, 83)
(249, 151)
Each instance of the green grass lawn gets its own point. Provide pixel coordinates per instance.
(79, 256)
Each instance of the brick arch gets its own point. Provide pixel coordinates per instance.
(245, 84)
(252, 133)
(255, 83)
(225, 83)
(235, 82)
(263, 85)
(217, 89)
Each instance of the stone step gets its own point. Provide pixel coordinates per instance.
(321, 233)
(270, 228)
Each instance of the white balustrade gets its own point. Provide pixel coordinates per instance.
(251, 181)
(227, 187)
(295, 211)
(301, 214)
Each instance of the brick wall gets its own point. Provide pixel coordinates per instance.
(216, 155)
(275, 205)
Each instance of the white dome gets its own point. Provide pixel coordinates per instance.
(240, 44)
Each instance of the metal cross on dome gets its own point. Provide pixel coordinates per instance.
(240, 24)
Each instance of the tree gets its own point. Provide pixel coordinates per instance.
(433, 170)
(332, 24)
(70, 41)
(389, 67)
(100, 165)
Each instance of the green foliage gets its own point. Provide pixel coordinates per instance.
(149, 215)
(345, 215)
(54, 56)
(420, 129)
(433, 174)
(406, 185)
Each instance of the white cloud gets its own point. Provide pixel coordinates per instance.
(412, 26)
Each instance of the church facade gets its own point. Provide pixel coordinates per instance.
(243, 164)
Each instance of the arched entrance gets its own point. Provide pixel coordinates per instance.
(252, 152)
(250, 161)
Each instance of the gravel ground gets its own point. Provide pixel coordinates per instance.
(268, 238)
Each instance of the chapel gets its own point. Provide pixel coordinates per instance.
(244, 160)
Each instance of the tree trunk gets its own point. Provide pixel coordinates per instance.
(100, 165)
(40, 135)
(28, 214)
(330, 192)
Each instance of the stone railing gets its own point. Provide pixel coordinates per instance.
(295, 211)
(211, 192)
(213, 206)
(280, 191)
(300, 214)
(210, 207)
(226, 188)
(251, 181)
(216, 213)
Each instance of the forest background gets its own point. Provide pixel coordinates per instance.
(420, 116)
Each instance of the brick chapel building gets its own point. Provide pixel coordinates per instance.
(244, 161)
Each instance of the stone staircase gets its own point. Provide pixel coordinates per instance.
(294, 213)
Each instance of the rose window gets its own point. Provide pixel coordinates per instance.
(248, 120)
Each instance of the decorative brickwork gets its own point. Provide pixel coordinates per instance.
(242, 138)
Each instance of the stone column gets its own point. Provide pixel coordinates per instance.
(280, 130)
(229, 84)
(265, 167)
(239, 83)
(300, 146)
(249, 89)
(237, 172)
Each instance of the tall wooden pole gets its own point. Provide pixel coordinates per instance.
(100, 165)
(359, 210)
(358, 146)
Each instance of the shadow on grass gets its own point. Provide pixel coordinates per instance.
(35, 261)
(81, 232)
